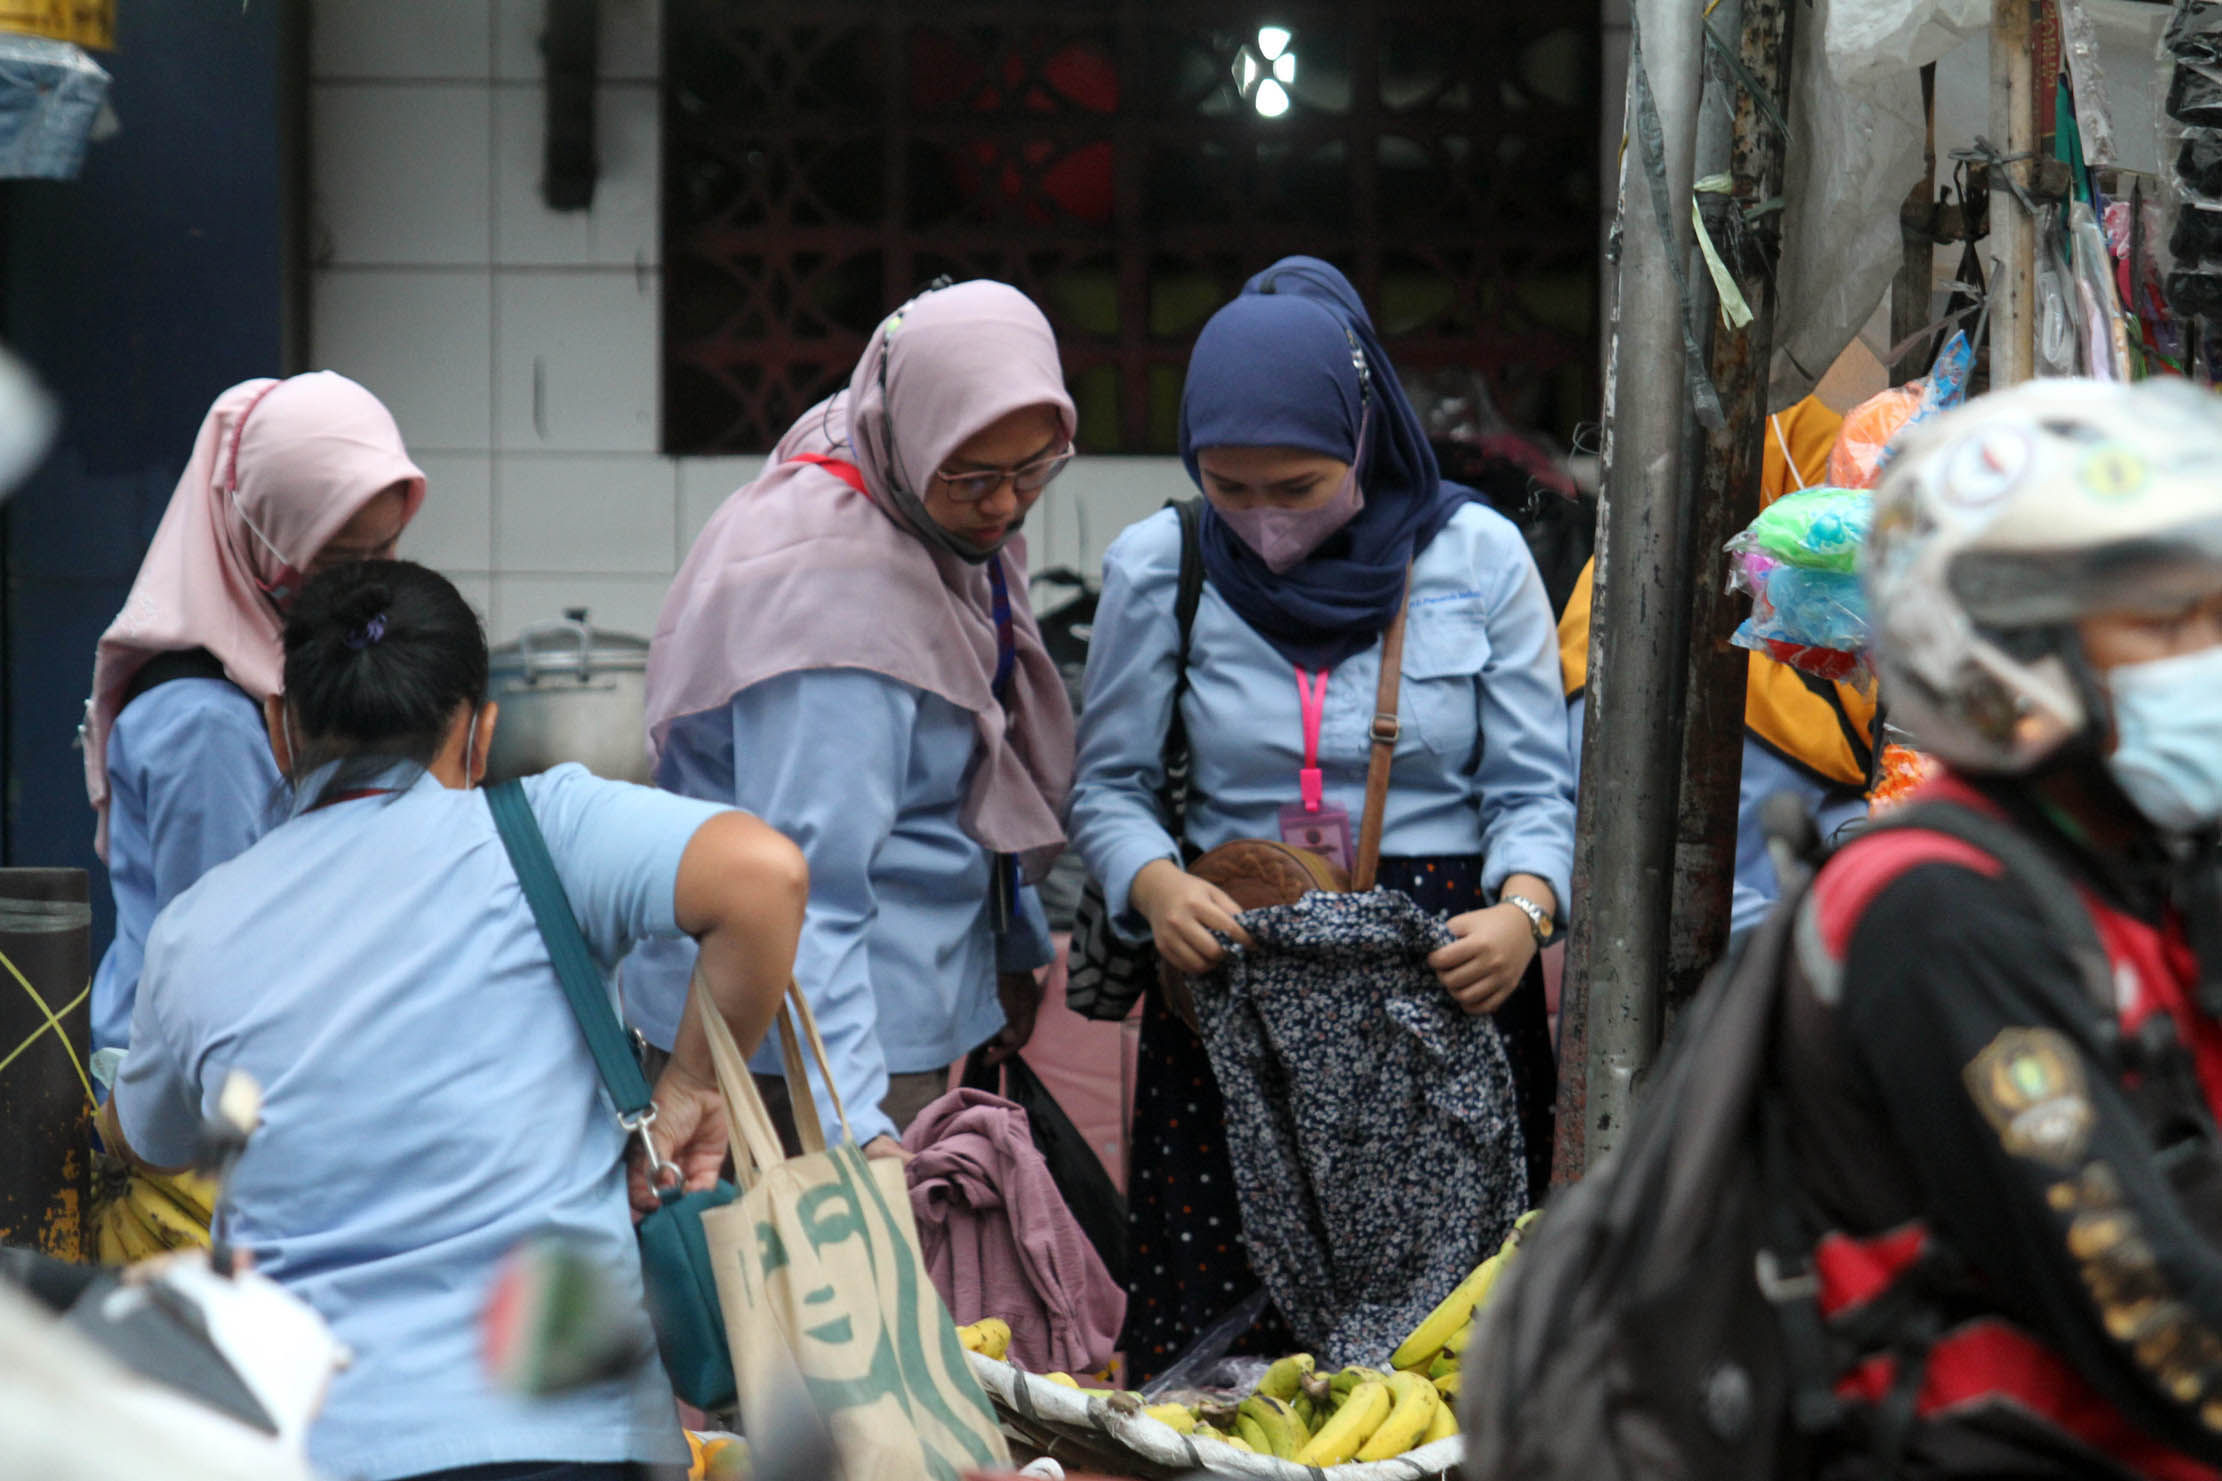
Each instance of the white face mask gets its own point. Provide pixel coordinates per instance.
(2168, 738)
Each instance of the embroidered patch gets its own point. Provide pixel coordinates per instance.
(2029, 1084)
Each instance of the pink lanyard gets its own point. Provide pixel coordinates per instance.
(1314, 701)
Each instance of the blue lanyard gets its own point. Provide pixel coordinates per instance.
(1006, 645)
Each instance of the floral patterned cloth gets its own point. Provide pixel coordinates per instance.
(1372, 1125)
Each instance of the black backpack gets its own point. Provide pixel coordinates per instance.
(1662, 1321)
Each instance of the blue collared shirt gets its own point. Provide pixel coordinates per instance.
(868, 775)
(191, 783)
(1481, 766)
(1833, 806)
(429, 1100)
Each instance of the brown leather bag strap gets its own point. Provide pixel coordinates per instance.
(1386, 729)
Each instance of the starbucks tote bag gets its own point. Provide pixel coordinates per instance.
(823, 1287)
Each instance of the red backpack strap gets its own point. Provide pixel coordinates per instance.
(840, 468)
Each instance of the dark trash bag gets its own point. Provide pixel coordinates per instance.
(1096, 1203)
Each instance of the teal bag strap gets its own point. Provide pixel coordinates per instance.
(574, 963)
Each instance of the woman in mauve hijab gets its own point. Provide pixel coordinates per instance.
(1319, 490)
(848, 653)
(287, 478)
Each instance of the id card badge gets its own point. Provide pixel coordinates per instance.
(1325, 832)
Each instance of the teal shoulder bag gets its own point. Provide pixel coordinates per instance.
(674, 1256)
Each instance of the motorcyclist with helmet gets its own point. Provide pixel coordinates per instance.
(2003, 1077)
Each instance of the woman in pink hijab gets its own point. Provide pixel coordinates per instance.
(848, 653)
(287, 477)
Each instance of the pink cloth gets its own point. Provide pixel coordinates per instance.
(277, 468)
(999, 1240)
(799, 571)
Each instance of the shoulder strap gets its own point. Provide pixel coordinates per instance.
(1188, 595)
(1387, 728)
(2036, 873)
(187, 663)
(567, 949)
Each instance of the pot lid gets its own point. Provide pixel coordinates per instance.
(567, 647)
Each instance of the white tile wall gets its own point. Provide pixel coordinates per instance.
(399, 173)
(575, 359)
(401, 38)
(622, 229)
(420, 339)
(454, 529)
(517, 346)
(585, 513)
(631, 41)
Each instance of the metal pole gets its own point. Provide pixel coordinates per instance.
(2013, 123)
(1633, 719)
(1727, 484)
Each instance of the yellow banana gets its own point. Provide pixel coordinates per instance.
(990, 1337)
(140, 1239)
(1443, 1426)
(1520, 1225)
(1408, 1421)
(1354, 1423)
(1451, 1313)
(1284, 1432)
(109, 1243)
(1307, 1412)
(1285, 1376)
(1349, 1378)
(188, 1189)
(1062, 1380)
(1180, 1417)
(1447, 1385)
(1458, 1339)
(1445, 1362)
(1253, 1434)
(1236, 1441)
(177, 1229)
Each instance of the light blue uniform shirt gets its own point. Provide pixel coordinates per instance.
(899, 955)
(1481, 766)
(1765, 773)
(429, 1098)
(190, 784)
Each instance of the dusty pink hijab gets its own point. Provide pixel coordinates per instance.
(277, 469)
(799, 571)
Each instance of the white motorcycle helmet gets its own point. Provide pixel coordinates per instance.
(2000, 523)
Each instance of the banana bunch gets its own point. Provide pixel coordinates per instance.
(142, 1214)
(1438, 1344)
(1317, 1419)
(990, 1337)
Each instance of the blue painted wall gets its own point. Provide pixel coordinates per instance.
(138, 291)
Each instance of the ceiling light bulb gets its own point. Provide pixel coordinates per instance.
(1272, 41)
(1272, 99)
(1284, 66)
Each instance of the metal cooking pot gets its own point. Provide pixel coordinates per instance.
(569, 692)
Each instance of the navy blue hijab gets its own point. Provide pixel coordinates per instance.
(1278, 367)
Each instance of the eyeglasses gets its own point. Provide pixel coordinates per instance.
(1026, 478)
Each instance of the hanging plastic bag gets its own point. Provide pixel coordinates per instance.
(1820, 528)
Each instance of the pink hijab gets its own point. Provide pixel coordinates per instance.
(797, 570)
(277, 468)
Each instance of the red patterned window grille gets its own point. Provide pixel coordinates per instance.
(1127, 163)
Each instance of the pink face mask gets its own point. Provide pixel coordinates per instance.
(1283, 537)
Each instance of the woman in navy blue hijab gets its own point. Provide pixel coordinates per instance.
(1320, 492)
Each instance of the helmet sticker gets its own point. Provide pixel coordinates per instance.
(2113, 471)
(1985, 467)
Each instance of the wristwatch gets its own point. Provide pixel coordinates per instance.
(1539, 919)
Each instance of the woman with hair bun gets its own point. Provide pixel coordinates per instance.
(429, 1098)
